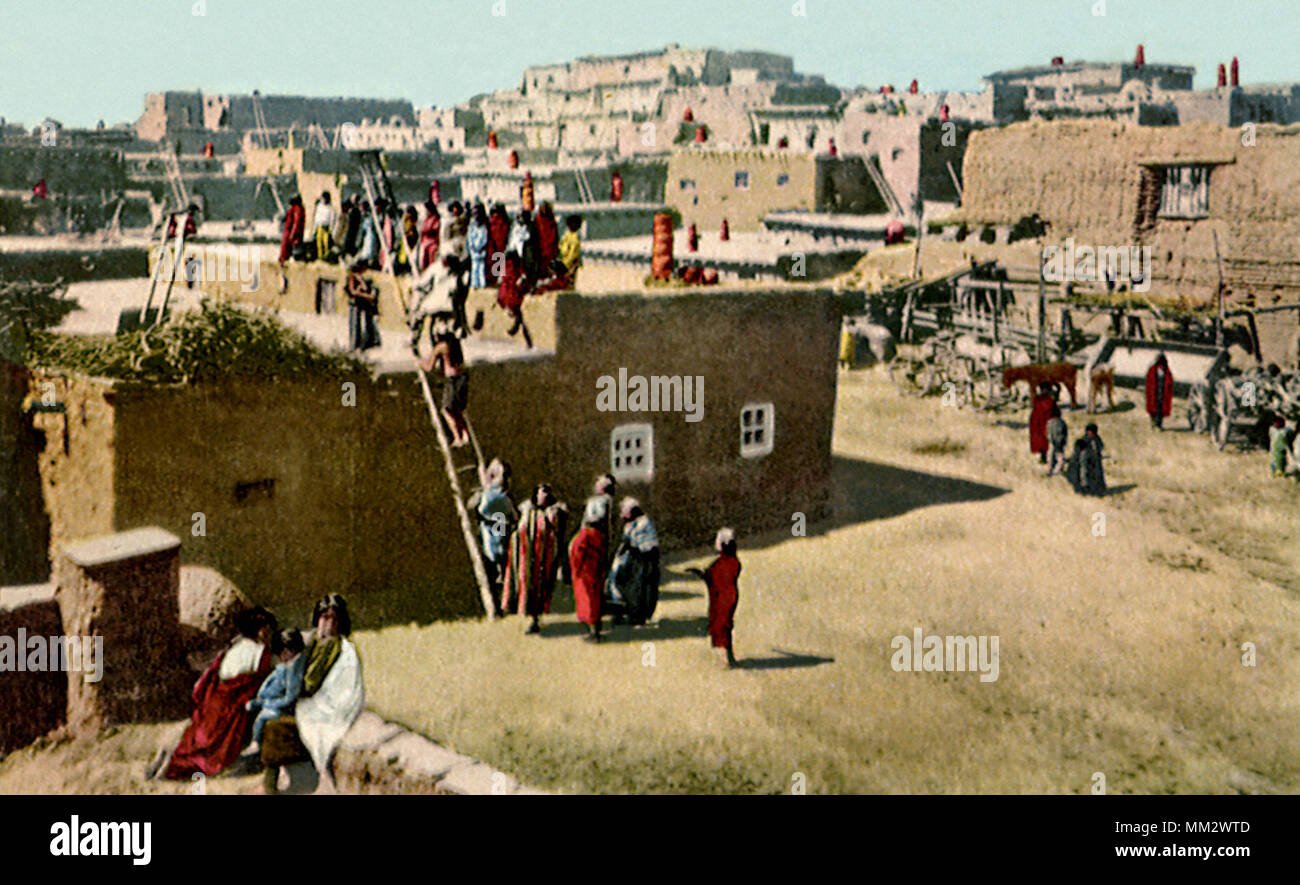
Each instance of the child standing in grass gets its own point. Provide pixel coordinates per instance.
(724, 594)
(1057, 435)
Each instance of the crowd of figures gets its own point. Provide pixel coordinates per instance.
(449, 251)
(615, 575)
(1083, 468)
(272, 699)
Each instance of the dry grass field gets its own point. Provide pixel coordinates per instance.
(1120, 653)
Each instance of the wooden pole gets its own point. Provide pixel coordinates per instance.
(1218, 326)
(1042, 315)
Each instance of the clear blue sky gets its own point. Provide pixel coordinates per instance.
(82, 60)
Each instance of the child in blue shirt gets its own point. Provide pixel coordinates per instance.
(278, 693)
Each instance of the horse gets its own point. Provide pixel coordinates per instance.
(1037, 374)
(1102, 375)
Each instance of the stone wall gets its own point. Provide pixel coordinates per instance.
(123, 589)
(31, 704)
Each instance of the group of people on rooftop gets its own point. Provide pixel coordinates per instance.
(454, 249)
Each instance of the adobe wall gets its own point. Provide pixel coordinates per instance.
(77, 459)
(301, 494)
(304, 280)
(24, 525)
(715, 195)
(123, 589)
(66, 170)
(31, 704)
(750, 348)
(1084, 178)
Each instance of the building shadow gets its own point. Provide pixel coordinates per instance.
(866, 491)
(784, 660)
(1119, 490)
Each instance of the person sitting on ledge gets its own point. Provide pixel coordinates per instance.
(219, 726)
(332, 698)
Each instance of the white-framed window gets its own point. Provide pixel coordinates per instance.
(632, 452)
(757, 429)
(742, 180)
(1185, 192)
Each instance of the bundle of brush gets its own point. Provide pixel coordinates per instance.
(220, 340)
(26, 308)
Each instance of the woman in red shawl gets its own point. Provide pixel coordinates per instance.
(587, 565)
(295, 217)
(724, 594)
(534, 557)
(498, 236)
(430, 234)
(1160, 391)
(1038, 418)
(548, 237)
(221, 724)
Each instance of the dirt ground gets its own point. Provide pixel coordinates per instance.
(1121, 623)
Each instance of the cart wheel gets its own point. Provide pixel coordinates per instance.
(907, 375)
(981, 393)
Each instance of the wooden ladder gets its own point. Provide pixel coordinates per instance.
(176, 263)
(375, 181)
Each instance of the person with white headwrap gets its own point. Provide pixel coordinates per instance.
(721, 577)
(634, 577)
(332, 698)
(587, 566)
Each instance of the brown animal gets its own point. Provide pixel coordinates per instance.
(1102, 375)
(1064, 374)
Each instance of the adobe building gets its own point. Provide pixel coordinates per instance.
(706, 186)
(294, 488)
(168, 115)
(1170, 188)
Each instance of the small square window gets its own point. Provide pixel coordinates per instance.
(782, 180)
(631, 452)
(1185, 191)
(742, 180)
(687, 184)
(757, 428)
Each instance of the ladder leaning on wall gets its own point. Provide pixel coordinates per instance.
(374, 179)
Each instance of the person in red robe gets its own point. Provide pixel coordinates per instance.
(587, 563)
(548, 236)
(498, 236)
(1160, 391)
(533, 559)
(724, 594)
(41, 191)
(295, 220)
(430, 234)
(510, 294)
(191, 227)
(221, 724)
(1040, 414)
